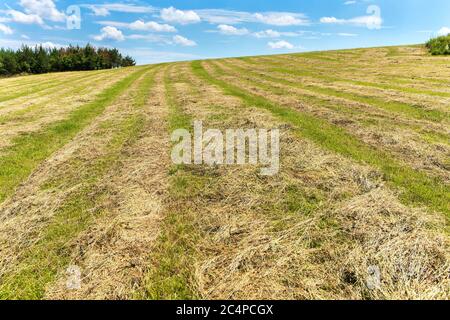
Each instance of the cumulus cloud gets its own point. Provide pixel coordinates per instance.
(232, 31)
(183, 41)
(45, 9)
(281, 45)
(151, 26)
(35, 12)
(173, 15)
(50, 45)
(140, 25)
(5, 29)
(281, 19)
(20, 17)
(110, 33)
(444, 31)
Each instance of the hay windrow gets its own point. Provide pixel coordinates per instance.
(354, 213)
(286, 236)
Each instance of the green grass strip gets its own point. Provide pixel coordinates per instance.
(417, 188)
(29, 150)
(306, 71)
(40, 263)
(311, 98)
(171, 265)
(28, 114)
(415, 112)
(54, 84)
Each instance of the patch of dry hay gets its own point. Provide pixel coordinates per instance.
(408, 247)
(113, 253)
(254, 248)
(404, 143)
(25, 215)
(51, 108)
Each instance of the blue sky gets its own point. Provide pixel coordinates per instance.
(156, 31)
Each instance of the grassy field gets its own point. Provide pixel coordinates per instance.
(86, 180)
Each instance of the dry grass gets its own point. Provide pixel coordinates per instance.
(372, 127)
(321, 229)
(291, 236)
(113, 252)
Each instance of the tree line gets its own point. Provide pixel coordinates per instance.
(38, 59)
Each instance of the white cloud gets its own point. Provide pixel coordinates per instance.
(46, 9)
(151, 26)
(173, 15)
(363, 21)
(151, 37)
(140, 25)
(231, 31)
(444, 31)
(331, 20)
(5, 29)
(16, 44)
(103, 10)
(110, 33)
(267, 34)
(281, 19)
(20, 17)
(275, 34)
(220, 16)
(343, 34)
(281, 45)
(183, 41)
(49, 45)
(347, 3)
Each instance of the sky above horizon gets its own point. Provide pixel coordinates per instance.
(162, 31)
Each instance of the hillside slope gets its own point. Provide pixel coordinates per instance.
(359, 209)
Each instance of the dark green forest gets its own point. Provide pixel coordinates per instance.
(37, 60)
